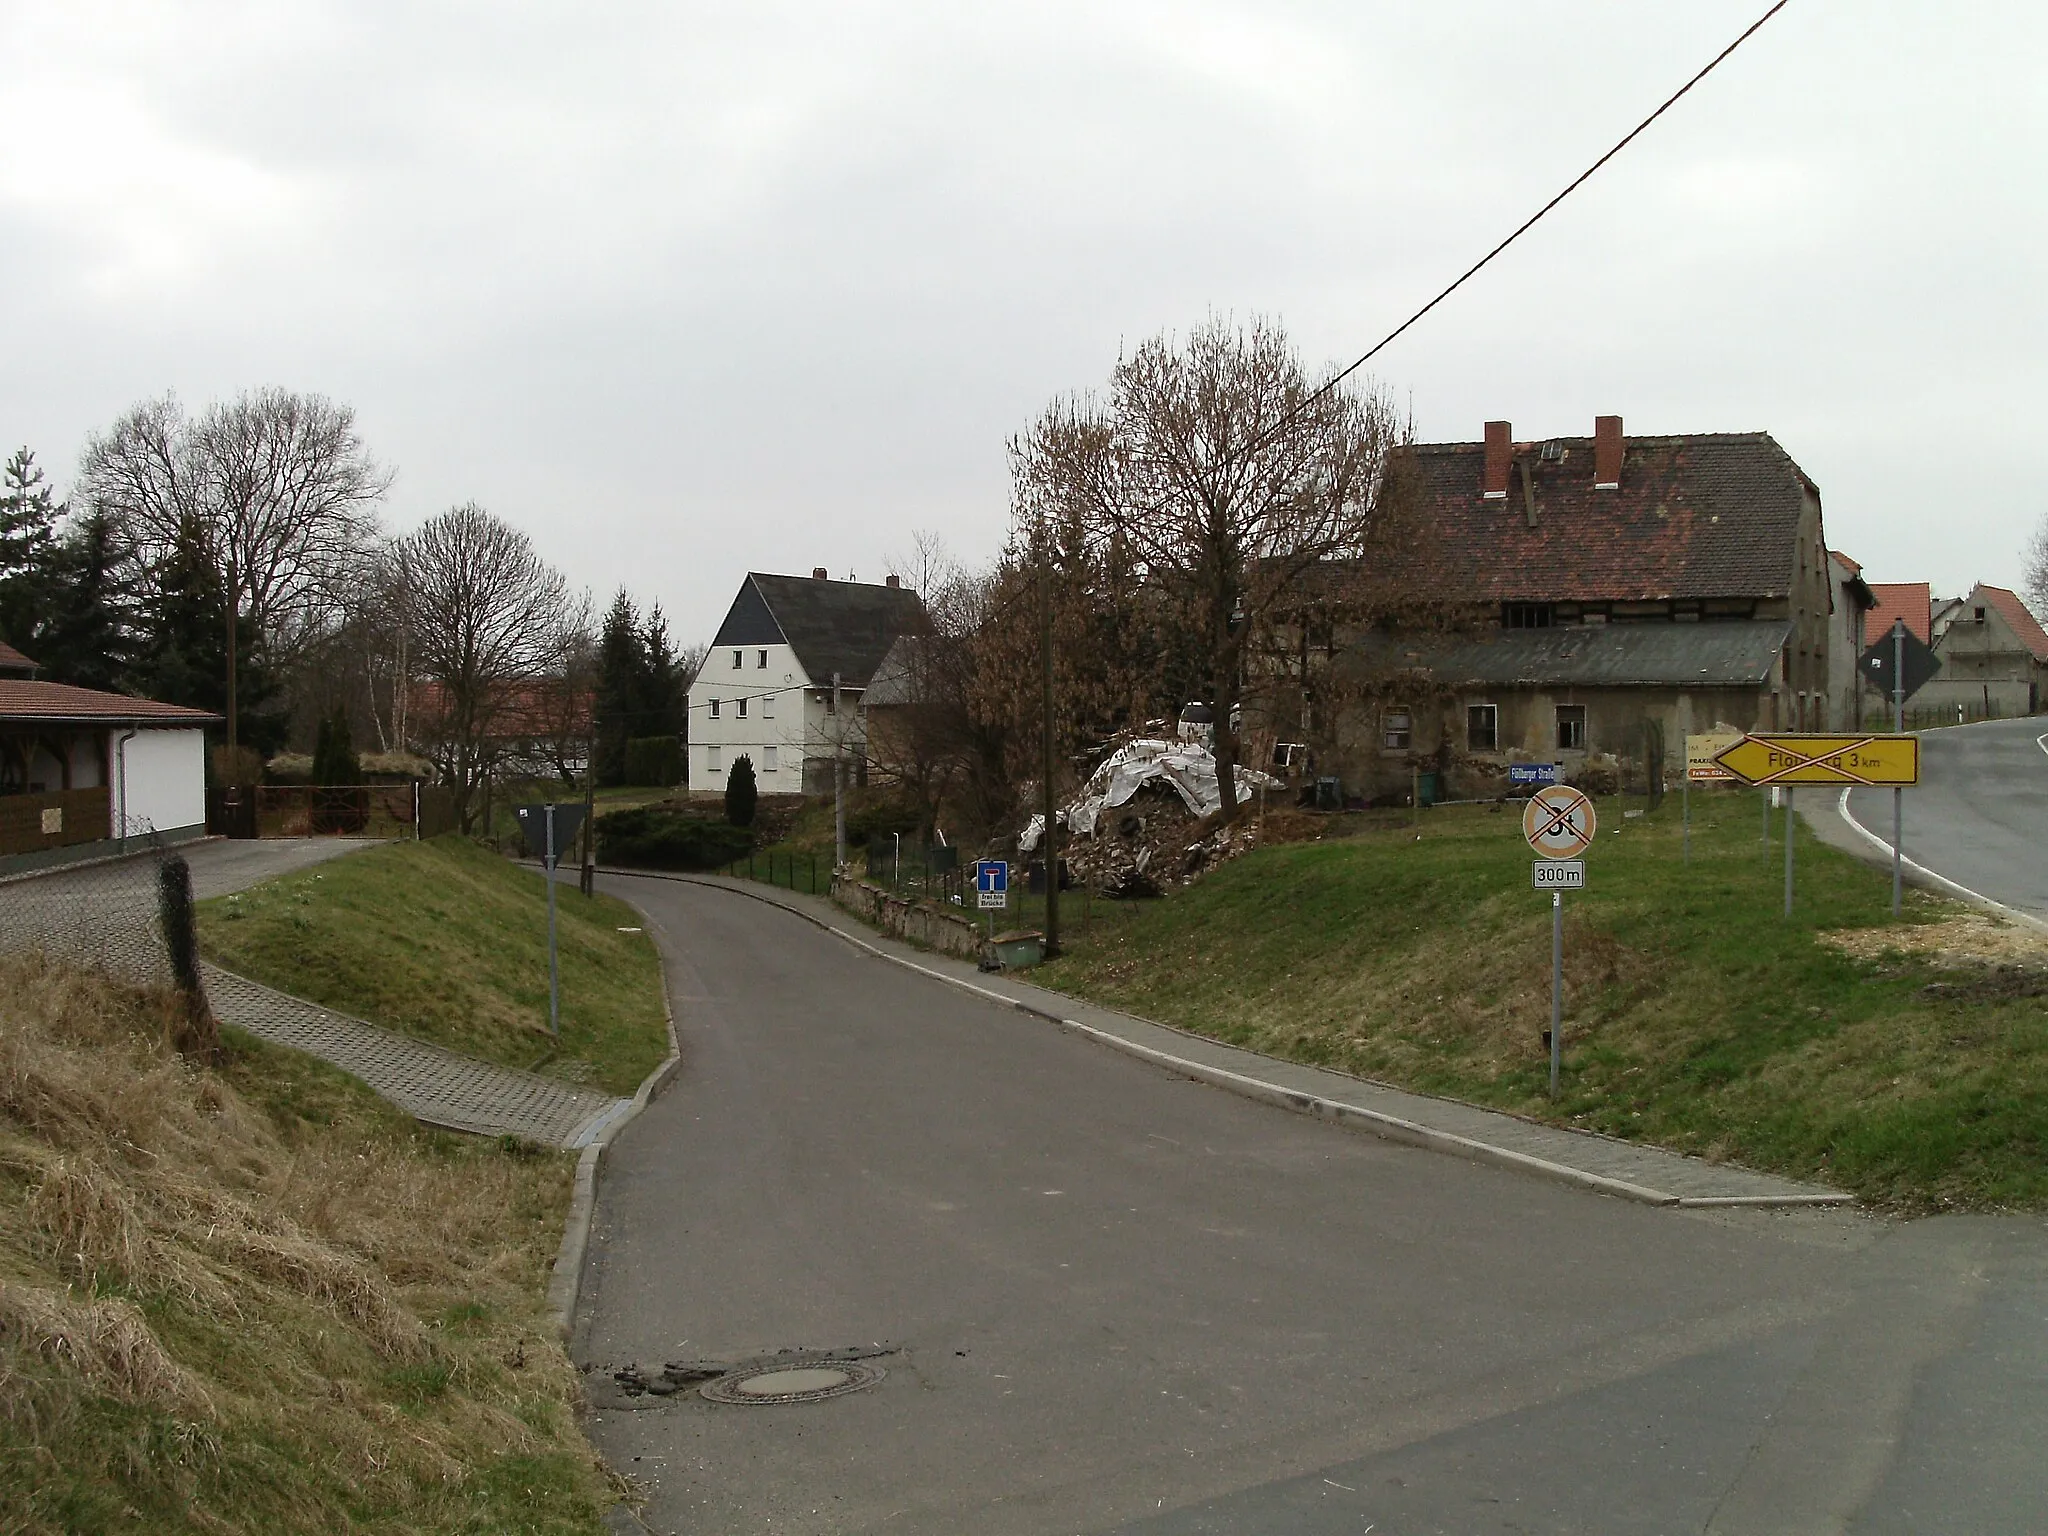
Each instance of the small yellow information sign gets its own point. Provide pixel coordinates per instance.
(1890, 761)
(1700, 752)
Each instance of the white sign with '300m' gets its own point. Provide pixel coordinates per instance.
(1560, 874)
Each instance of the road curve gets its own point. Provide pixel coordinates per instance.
(1979, 815)
(1120, 1301)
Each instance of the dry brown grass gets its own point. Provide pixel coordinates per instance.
(1962, 937)
(257, 1300)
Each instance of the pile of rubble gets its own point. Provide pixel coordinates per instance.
(1145, 822)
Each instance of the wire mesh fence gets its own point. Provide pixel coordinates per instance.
(107, 917)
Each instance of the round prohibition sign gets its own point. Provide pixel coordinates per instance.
(1559, 822)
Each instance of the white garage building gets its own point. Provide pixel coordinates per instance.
(81, 770)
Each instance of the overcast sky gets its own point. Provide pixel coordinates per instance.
(685, 290)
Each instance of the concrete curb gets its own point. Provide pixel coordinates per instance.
(1387, 1127)
(565, 1281)
(1928, 876)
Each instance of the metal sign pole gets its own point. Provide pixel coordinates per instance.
(1685, 809)
(1556, 985)
(554, 971)
(1788, 850)
(1898, 725)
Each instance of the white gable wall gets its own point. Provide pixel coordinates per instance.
(773, 692)
(165, 780)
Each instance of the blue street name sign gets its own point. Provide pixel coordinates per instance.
(1532, 773)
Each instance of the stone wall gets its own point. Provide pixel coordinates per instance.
(948, 932)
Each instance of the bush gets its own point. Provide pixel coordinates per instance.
(655, 837)
(654, 760)
(880, 820)
(740, 793)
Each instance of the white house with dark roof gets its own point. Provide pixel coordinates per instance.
(765, 690)
(80, 770)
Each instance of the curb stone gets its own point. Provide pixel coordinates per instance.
(565, 1281)
(1387, 1127)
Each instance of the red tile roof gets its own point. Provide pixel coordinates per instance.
(2016, 613)
(1908, 600)
(60, 702)
(1699, 516)
(12, 660)
(1854, 568)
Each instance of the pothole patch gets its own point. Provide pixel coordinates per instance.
(805, 1381)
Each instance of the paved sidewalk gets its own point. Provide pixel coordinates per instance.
(104, 916)
(1646, 1174)
(437, 1086)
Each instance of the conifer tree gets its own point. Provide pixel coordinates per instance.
(87, 637)
(621, 666)
(740, 792)
(28, 538)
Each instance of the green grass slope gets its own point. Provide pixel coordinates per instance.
(1697, 1017)
(256, 1301)
(447, 941)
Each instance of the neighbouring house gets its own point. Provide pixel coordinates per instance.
(1596, 594)
(82, 770)
(538, 728)
(1912, 601)
(1994, 657)
(1847, 630)
(766, 688)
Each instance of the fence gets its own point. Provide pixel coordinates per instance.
(61, 819)
(309, 810)
(106, 917)
(794, 871)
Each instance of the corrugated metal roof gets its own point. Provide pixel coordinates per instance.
(1736, 654)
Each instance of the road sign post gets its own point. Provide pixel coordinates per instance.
(1898, 724)
(549, 828)
(992, 890)
(1559, 824)
(1784, 761)
(1700, 764)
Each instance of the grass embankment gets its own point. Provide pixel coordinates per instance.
(447, 941)
(1696, 1016)
(257, 1300)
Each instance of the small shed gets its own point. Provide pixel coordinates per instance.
(82, 770)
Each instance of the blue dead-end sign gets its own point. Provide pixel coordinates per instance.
(992, 876)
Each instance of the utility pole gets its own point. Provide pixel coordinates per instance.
(234, 602)
(1898, 725)
(1048, 842)
(838, 780)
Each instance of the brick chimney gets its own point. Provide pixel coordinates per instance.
(817, 573)
(891, 581)
(1606, 453)
(1500, 453)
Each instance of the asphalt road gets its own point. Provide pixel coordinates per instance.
(1979, 815)
(1122, 1302)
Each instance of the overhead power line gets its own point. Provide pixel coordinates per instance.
(1527, 224)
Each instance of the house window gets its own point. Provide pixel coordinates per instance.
(767, 706)
(1396, 729)
(1482, 728)
(714, 759)
(760, 658)
(767, 759)
(1529, 615)
(741, 709)
(735, 661)
(714, 709)
(1571, 727)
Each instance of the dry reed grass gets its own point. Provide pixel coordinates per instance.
(257, 1300)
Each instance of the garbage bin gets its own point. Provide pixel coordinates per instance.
(1329, 795)
(1429, 788)
(1015, 951)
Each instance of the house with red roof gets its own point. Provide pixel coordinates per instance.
(1601, 591)
(84, 772)
(1994, 657)
(1849, 635)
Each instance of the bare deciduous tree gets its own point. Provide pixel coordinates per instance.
(491, 626)
(274, 491)
(2036, 573)
(1225, 475)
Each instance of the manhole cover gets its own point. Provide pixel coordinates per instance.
(797, 1382)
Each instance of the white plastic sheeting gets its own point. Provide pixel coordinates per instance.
(1186, 767)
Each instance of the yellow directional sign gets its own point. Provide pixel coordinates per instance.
(1814, 759)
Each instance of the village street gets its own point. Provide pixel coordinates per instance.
(1979, 815)
(1110, 1299)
